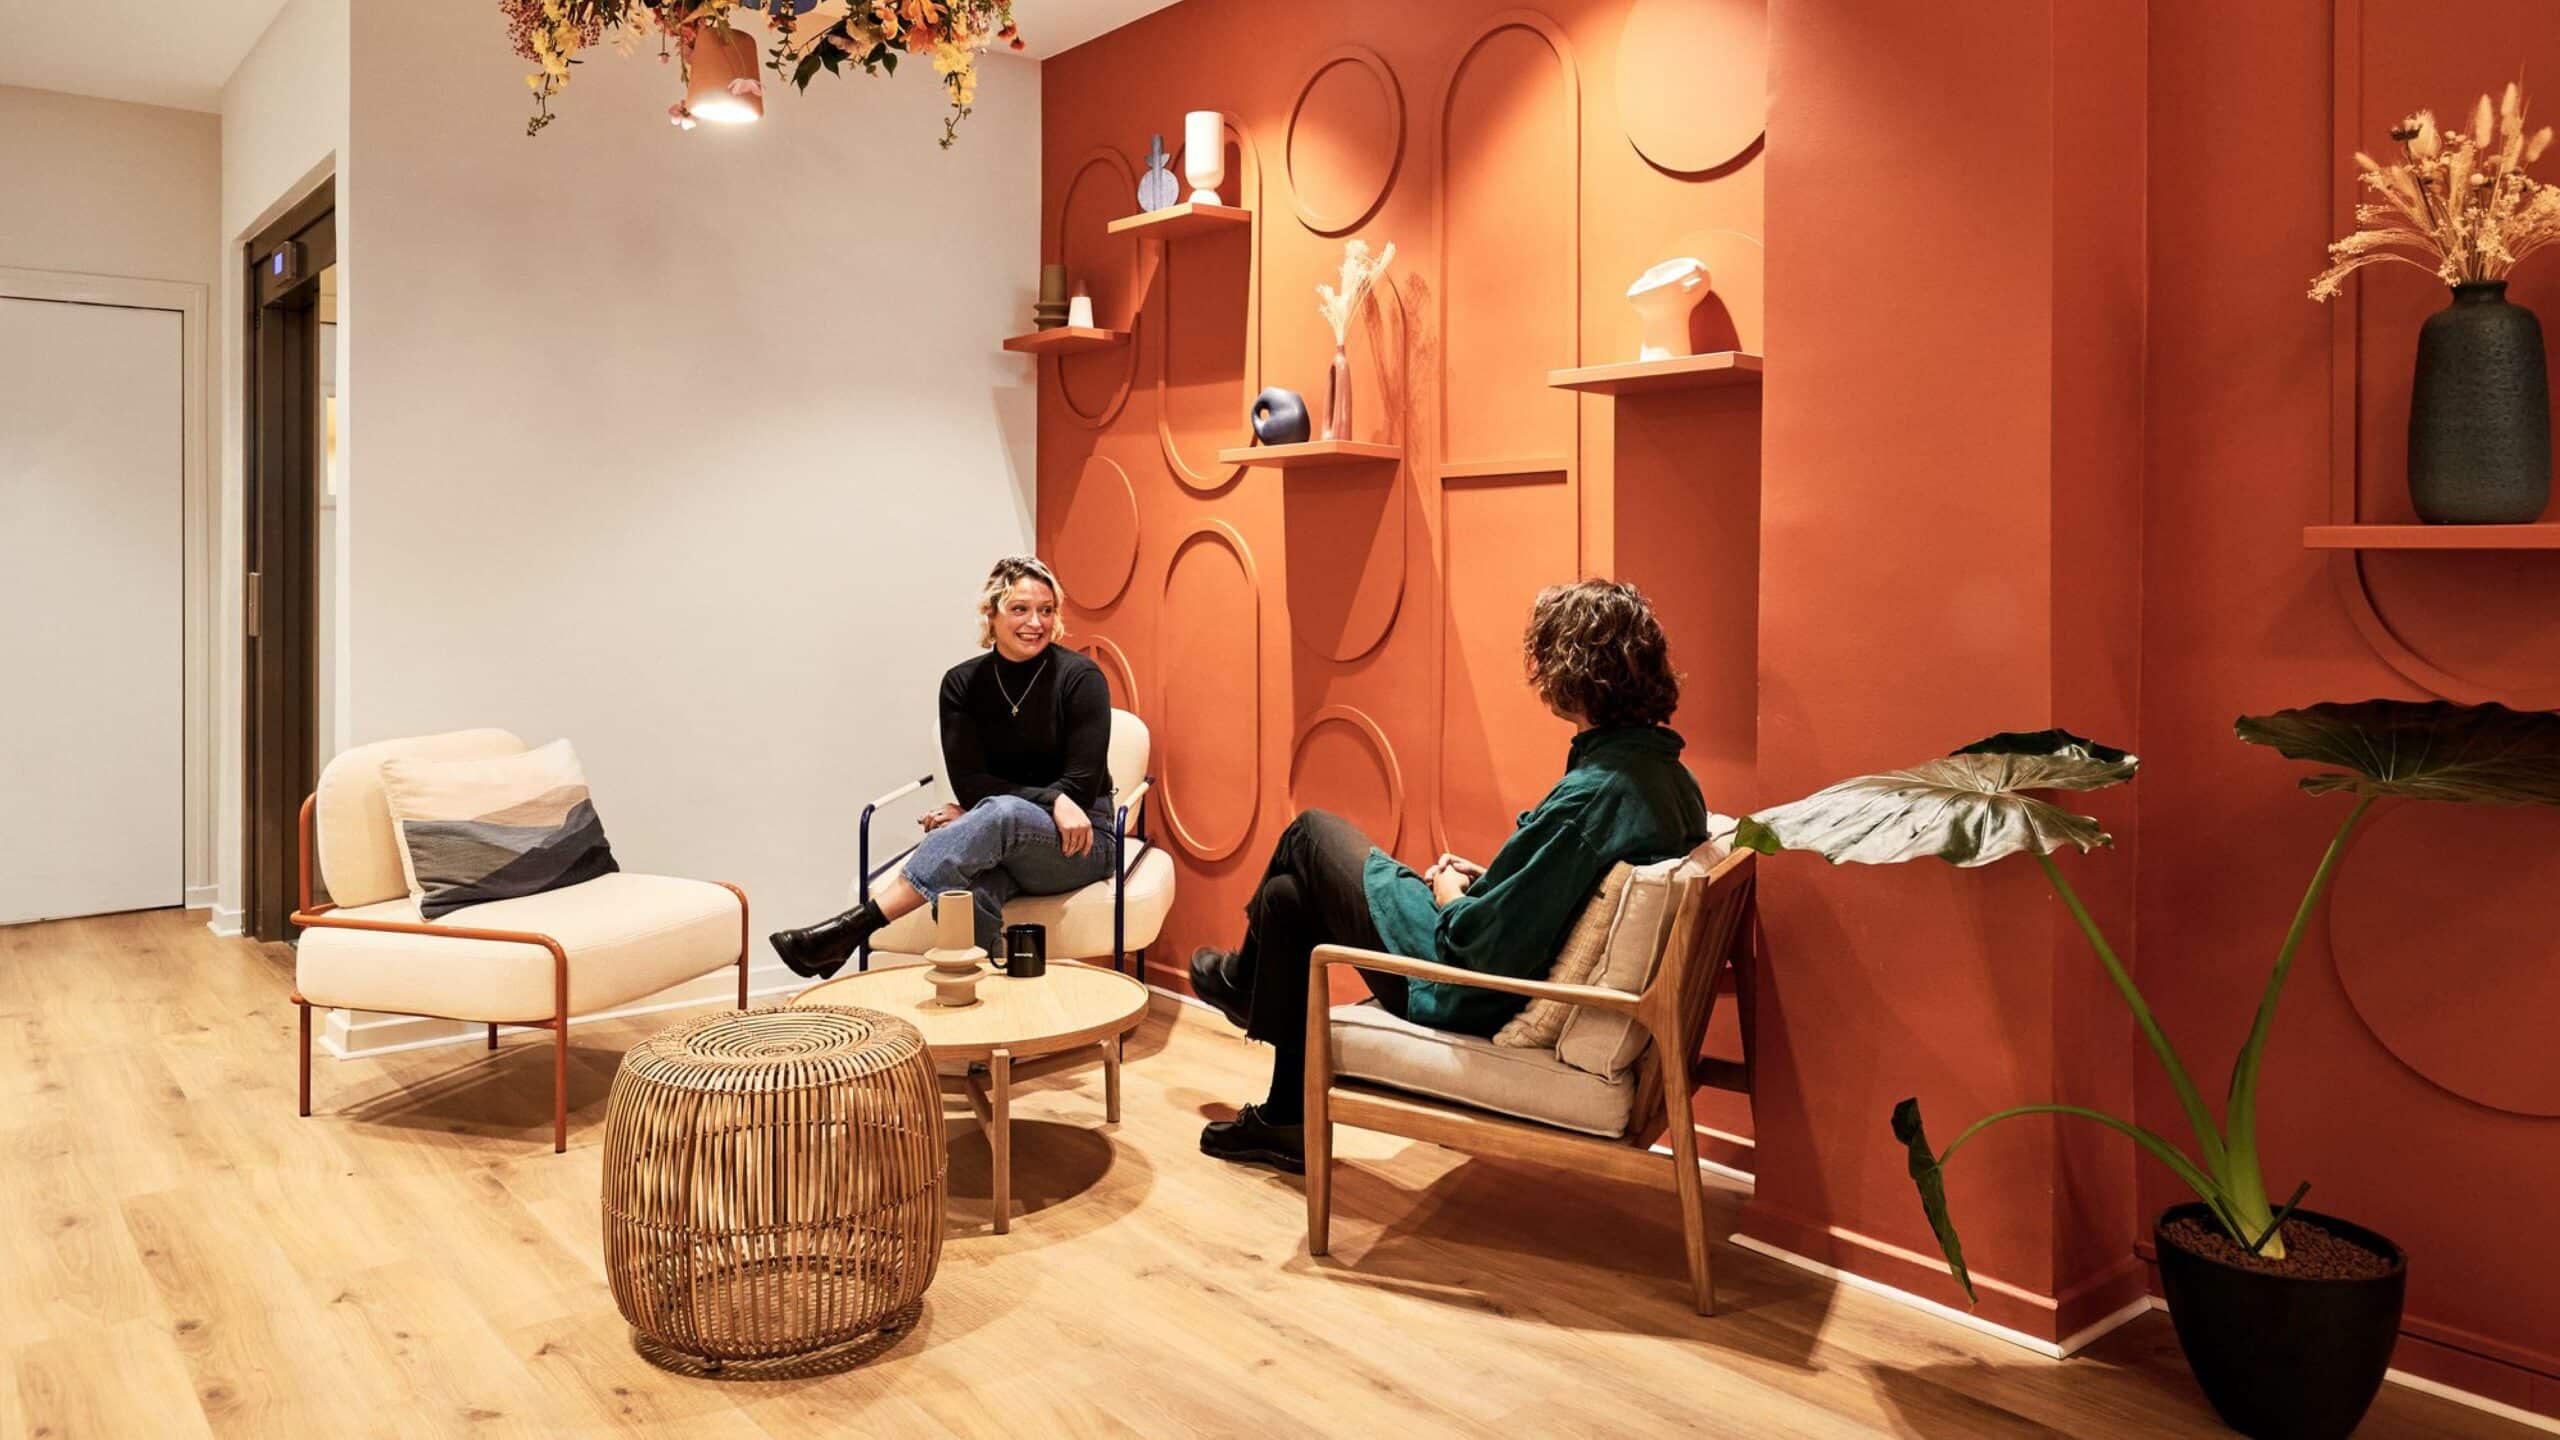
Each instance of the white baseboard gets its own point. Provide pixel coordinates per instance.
(2499, 1408)
(345, 1038)
(229, 924)
(201, 897)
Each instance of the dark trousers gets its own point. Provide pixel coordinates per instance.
(1311, 894)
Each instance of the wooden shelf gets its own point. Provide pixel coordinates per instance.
(1065, 340)
(2544, 536)
(1185, 219)
(1684, 372)
(1310, 453)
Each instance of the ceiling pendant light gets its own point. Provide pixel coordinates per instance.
(724, 89)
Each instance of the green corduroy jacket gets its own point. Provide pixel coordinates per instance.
(1624, 796)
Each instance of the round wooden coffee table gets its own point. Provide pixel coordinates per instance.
(1019, 1029)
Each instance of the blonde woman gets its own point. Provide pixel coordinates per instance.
(1026, 739)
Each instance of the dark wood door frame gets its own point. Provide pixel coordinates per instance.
(280, 605)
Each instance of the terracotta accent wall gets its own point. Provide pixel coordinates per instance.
(2412, 1077)
(1349, 638)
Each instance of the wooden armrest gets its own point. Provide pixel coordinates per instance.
(1597, 997)
(322, 918)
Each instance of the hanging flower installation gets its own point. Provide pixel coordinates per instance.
(717, 58)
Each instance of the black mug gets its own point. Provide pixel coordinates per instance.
(1026, 951)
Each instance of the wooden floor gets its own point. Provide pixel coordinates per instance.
(180, 1255)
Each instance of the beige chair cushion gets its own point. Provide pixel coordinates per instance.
(626, 935)
(358, 850)
(1078, 922)
(1540, 1022)
(1370, 1044)
(1608, 1045)
(1131, 747)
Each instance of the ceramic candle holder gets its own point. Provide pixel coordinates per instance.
(955, 957)
(1204, 154)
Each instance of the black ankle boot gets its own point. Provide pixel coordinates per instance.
(1214, 979)
(819, 951)
(1251, 1139)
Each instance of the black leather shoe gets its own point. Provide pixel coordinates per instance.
(1213, 978)
(1250, 1139)
(819, 951)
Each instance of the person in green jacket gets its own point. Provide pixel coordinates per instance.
(1597, 657)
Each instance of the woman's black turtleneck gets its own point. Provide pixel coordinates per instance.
(1057, 743)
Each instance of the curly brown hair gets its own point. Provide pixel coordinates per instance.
(1595, 651)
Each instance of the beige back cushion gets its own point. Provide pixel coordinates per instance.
(1130, 744)
(1606, 1044)
(359, 848)
(1540, 1022)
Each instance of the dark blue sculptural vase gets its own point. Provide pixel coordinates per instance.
(1279, 417)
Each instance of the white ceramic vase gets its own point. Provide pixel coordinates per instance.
(1204, 154)
(1663, 297)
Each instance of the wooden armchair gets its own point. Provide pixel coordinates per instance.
(1709, 938)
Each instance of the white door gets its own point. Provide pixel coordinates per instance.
(92, 610)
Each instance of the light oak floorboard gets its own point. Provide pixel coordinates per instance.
(182, 1256)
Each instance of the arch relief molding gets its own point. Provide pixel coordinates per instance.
(2347, 567)
(1384, 325)
(1360, 723)
(1055, 244)
(1102, 651)
(1562, 47)
(1249, 189)
(1211, 851)
(1098, 470)
(1385, 75)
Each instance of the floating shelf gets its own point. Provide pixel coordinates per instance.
(2544, 536)
(1684, 372)
(1065, 340)
(1180, 220)
(1310, 453)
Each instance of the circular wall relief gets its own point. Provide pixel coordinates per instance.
(1097, 542)
(1211, 321)
(1115, 669)
(1210, 732)
(2440, 922)
(1106, 266)
(1346, 533)
(1343, 763)
(1693, 80)
(1345, 140)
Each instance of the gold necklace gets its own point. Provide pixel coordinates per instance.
(1010, 703)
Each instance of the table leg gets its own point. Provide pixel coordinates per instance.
(1111, 1080)
(1000, 1135)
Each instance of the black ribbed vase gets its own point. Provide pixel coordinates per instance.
(2480, 413)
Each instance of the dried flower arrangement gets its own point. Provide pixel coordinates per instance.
(1359, 272)
(2458, 203)
(808, 36)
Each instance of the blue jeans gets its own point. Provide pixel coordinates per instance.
(1006, 846)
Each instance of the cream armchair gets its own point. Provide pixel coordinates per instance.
(534, 961)
(1621, 1074)
(1117, 917)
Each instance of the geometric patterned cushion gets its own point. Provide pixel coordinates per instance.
(473, 831)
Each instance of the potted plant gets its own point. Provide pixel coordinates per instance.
(2287, 1317)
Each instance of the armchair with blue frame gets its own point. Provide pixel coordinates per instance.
(1118, 917)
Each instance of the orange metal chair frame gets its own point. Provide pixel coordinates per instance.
(323, 917)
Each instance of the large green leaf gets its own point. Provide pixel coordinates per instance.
(1967, 809)
(2431, 750)
(1932, 1185)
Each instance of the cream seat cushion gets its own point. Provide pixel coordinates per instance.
(1370, 1044)
(626, 936)
(1078, 922)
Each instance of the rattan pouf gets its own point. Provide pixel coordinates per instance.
(773, 1182)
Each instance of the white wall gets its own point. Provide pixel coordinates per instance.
(101, 187)
(689, 447)
(284, 129)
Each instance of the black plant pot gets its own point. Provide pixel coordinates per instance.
(2480, 413)
(2283, 1358)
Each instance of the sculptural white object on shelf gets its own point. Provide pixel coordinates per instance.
(1663, 297)
(1204, 154)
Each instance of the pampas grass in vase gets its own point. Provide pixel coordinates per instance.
(1359, 272)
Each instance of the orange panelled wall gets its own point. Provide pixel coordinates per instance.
(2411, 1077)
(1349, 638)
